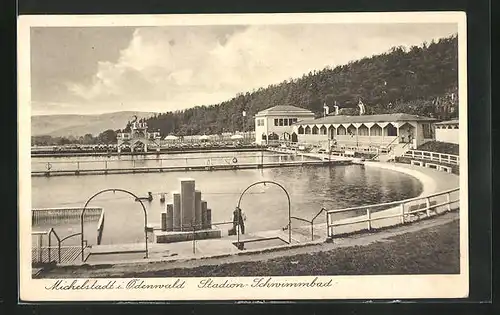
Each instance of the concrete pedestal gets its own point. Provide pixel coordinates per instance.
(209, 218)
(169, 217)
(183, 236)
(204, 214)
(187, 203)
(177, 217)
(197, 209)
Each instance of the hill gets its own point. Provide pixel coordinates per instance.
(79, 125)
(420, 80)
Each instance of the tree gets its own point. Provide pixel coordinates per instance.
(107, 137)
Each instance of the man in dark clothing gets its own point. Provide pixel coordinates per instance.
(238, 219)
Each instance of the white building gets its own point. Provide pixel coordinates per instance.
(276, 123)
(447, 131)
(365, 131)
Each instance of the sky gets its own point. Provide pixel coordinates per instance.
(92, 70)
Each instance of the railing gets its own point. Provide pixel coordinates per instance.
(433, 156)
(310, 222)
(100, 228)
(43, 254)
(138, 164)
(62, 214)
(404, 209)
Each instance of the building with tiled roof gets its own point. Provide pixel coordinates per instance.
(381, 130)
(276, 123)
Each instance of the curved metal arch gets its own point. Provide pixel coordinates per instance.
(136, 198)
(289, 205)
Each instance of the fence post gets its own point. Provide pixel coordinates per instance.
(50, 243)
(428, 205)
(369, 217)
(402, 208)
(312, 231)
(40, 244)
(448, 199)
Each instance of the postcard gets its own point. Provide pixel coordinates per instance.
(243, 157)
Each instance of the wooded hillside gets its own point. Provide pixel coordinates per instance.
(421, 80)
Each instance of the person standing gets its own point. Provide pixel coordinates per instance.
(239, 219)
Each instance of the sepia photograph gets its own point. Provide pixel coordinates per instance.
(243, 156)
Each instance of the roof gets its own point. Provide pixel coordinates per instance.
(448, 122)
(284, 109)
(365, 119)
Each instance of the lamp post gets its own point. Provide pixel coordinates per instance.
(289, 206)
(244, 114)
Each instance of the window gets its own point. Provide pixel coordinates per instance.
(341, 131)
(308, 130)
(281, 121)
(315, 130)
(290, 121)
(285, 122)
(294, 120)
(427, 130)
(363, 130)
(301, 130)
(376, 131)
(322, 130)
(351, 130)
(390, 130)
(276, 121)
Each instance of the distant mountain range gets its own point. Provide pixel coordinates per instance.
(79, 125)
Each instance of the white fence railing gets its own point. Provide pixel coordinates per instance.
(391, 213)
(433, 156)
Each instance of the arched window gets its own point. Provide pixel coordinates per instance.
(363, 130)
(390, 130)
(308, 130)
(322, 130)
(301, 130)
(351, 130)
(376, 130)
(315, 130)
(341, 131)
(331, 132)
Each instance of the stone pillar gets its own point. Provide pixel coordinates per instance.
(169, 220)
(209, 218)
(187, 203)
(164, 221)
(204, 214)
(177, 215)
(119, 149)
(197, 209)
(145, 147)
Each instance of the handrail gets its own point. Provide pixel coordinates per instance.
(100, 228)
(392, 203)
(52, 231)
(311, 222)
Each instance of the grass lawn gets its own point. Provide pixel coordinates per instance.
(434, 250)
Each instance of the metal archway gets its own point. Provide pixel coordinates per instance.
(289, 205)
(136, 198)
